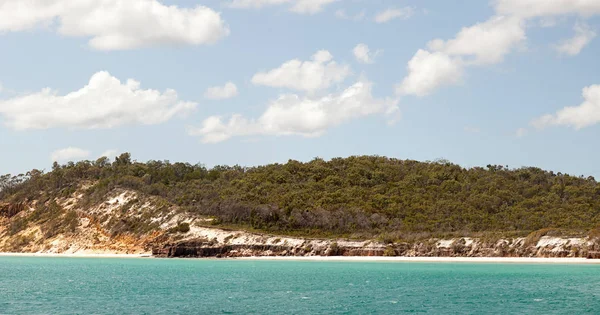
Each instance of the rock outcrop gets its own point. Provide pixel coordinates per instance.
(203, 248)
(464, 247)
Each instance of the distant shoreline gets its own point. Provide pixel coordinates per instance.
(429, 259)
(520, 260)
(76, 255)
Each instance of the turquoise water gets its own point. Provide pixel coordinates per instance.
(31, 285)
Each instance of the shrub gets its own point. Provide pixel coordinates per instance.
(334, 249)
(594, 233)
(71, 221)
(534, 237)
(390, 251)
(182, 227)
(17, 225)
(19, 242)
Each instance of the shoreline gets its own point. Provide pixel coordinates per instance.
(518, 260)
(76, 255)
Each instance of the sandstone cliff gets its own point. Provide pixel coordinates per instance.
(206, 242)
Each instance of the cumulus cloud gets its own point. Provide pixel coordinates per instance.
(491, 41)
(254, 4)
(105, 102)
(363, 54)
(428, 71)
(69, 154)
(392, 13)
(444, 61)
(486, 42)
(573, 46)
(23, 15)
(294, 115)
(581, 116)
(229, 90)
(341, 14)
(310, 6)
(540, 8)
(309, 76)
(116, 24)
(297, 6)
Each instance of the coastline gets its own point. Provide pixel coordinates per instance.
(77, 255)
(502, 260)
(497, 260)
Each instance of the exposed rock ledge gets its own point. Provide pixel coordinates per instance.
(207, 242)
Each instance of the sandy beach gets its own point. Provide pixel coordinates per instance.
(503, 260)
(76, 255)
(533, 260)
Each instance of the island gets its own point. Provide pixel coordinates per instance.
(361, 206)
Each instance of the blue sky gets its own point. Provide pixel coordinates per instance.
(480, 83)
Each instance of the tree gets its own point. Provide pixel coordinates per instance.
(123, 159)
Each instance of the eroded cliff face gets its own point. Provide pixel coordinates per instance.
(65, 226)
(202, 248)
(219, 243)
(125, 222)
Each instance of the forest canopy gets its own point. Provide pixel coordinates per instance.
(359, 194)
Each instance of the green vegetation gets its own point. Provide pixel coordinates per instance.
(180, 228)
(52, 219)
(366, 196)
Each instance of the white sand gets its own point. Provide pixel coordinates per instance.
(520, 260)
(75, 255)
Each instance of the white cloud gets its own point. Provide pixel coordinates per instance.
(104, 102)
(110, 154)
(23, 15)
(581, 116)
(443, 64)
(427, 71)
(487, 42)
(310, 76)
(254, 4)
(573, 46)
(363, 54)
(341, 14)
(117, 24)
(297, 6)
(69, 154)
(293, 115)
(391, 14)
(540, 8)
(229, 90)
(310, 6)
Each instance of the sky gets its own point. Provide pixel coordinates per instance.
(251, 82)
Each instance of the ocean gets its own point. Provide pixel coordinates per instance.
(32, 285)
